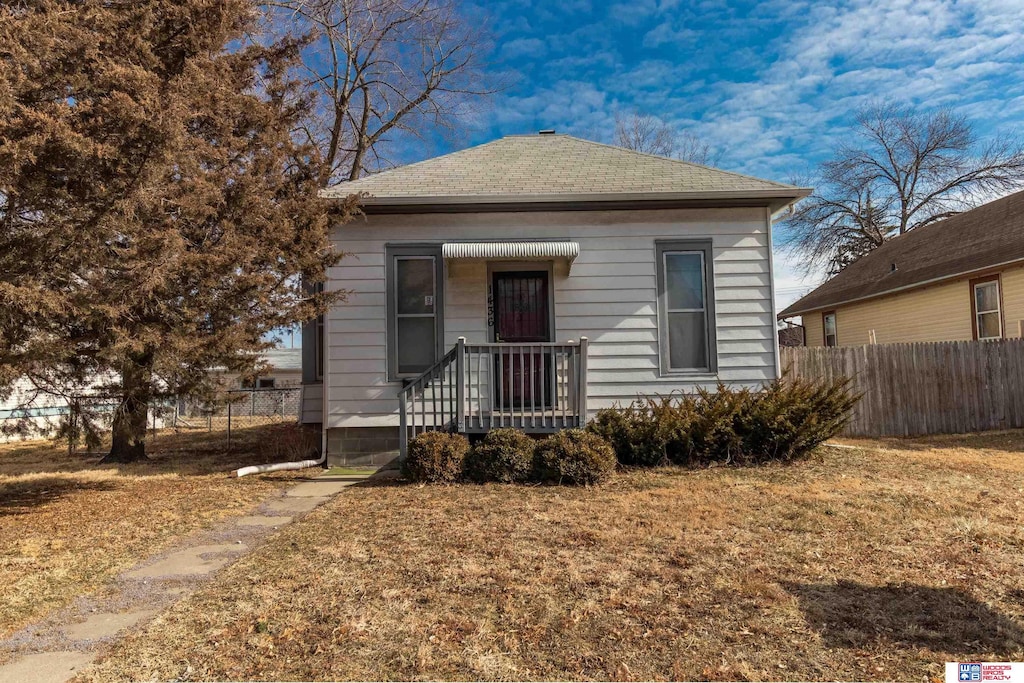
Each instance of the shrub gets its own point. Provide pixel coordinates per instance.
(784, 421)
(712, 434)
(574, 456)
(650, 432)
(792, 417)
(633, 434)
(435, 457)
(503, 455)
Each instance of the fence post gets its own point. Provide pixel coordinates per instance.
(460, 385)
(229, 420)
(581, 392)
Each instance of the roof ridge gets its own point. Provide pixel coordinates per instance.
(679, 161)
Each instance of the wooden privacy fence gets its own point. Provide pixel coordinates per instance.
(923, 388)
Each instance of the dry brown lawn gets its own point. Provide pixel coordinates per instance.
(68, 525)
(879, 563)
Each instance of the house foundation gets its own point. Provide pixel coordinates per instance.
(362, 446)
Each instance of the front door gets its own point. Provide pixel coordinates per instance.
(521, 316)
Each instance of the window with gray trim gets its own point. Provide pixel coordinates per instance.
(686, 307)
(415, 311)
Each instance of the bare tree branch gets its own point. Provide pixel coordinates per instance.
(378, 67)
(904, 169)
(648, 134)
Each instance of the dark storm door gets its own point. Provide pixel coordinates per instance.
(522, 317)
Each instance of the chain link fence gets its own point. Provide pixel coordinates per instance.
(239, 409)
(229, 412)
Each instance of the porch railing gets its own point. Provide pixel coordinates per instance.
(538, 387)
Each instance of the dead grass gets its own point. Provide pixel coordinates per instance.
(68, 525)
(873, 564)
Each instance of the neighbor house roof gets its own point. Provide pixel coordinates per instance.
(283, 359)
(547, 168)
(988, 236)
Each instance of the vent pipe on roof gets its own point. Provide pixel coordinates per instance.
(893, 268)
(546, 131)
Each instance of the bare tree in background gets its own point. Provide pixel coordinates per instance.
(904, 169)
(648, 134)
(381, 71)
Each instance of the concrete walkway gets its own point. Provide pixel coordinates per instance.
(57, 648)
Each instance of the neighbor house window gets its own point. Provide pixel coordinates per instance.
(985, 306)
(828, 324)
(686, 318)
(265, 383)
(414, 309)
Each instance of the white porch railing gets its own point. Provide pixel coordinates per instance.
(538, 387)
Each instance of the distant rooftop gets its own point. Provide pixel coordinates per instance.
(990, 235)
(550, 167)
(283, 359)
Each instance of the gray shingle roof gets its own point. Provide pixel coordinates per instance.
(283, 359)
(987, 236)
(522, 168)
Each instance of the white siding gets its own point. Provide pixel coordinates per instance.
(312, 404)
(608, 296)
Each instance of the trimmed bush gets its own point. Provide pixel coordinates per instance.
(503, 455)
(436, 457)
(574, 456)
(784, 421)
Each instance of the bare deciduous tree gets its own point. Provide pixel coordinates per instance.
(904, 169)
(648, 134)
(380, 71)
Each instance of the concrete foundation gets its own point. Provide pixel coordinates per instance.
(362, 445)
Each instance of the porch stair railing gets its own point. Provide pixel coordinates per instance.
(538, 387)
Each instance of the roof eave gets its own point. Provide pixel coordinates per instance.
(776, 199)
(792, 310)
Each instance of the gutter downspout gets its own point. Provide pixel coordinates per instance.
(303, 464)
(282, 466)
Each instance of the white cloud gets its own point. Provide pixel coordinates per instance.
(524, 47)
(666, 33)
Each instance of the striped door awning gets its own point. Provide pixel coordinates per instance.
(515, 250)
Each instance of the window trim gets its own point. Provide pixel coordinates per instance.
(706, 249)
(974, 284)
(394, 252)
(824, 329)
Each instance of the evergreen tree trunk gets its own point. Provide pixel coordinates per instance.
(128, 442)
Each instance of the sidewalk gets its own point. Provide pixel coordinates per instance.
(58, 647)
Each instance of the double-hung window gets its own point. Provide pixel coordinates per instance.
(415, 317)
(985, 305)
(829, 329)
(686, 315)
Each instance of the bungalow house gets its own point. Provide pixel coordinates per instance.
(957, 279)
(533, 280)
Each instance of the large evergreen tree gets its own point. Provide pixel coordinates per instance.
(156, 212)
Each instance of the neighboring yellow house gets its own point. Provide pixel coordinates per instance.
(957, 279)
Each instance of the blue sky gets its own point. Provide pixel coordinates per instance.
(770, 85)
